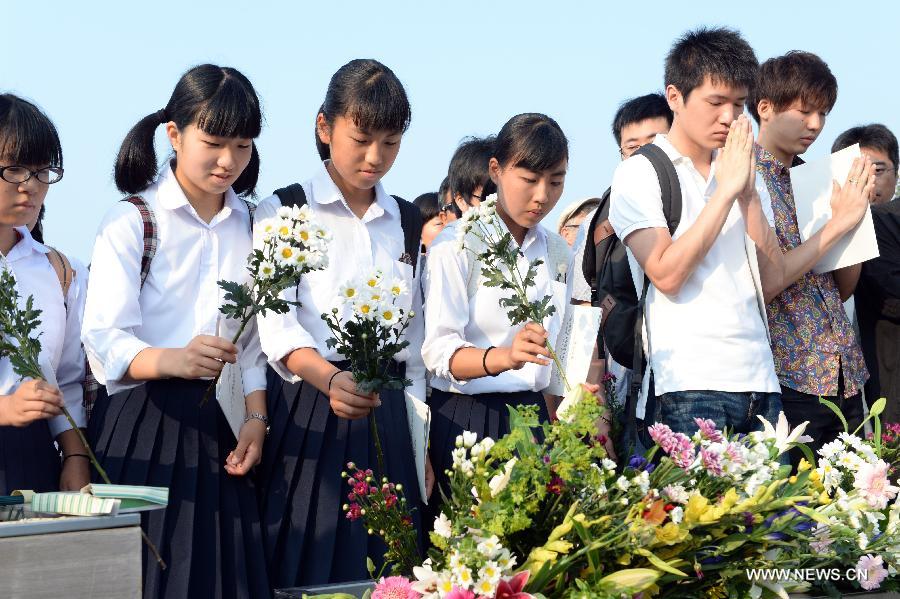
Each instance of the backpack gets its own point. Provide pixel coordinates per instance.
(410, 220)
(92, 387)
(608, 272)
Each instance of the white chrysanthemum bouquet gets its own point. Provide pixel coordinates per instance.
(293, 244)
(368, 331)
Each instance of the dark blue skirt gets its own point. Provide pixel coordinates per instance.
(485, 414)
(209, 535)
(309, 541)
(28, 458)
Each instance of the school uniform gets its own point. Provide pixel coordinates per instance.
(308, 538)
(157, 432)
(463, 312)
(28, 457)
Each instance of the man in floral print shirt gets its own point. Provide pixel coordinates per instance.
(815, 349)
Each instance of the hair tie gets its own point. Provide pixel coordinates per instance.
(161, 116)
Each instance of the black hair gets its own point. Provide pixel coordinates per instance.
(429, 205)
(875, 136)
(718, 53)
(27, 136)
(532, 141)
(220, 101)
(469, 168)
(368, 93)
(444, 194)
(635, 110)
(38, 232)
(795, 75)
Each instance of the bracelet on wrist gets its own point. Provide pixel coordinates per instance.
(331, 380)
(76, 455)
(484, 362)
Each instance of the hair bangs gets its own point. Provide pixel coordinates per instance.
(27, 136)
(232, 111)
(540, 148)
(380, 105)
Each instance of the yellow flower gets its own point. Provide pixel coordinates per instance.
(803, 466)
(670, 534)
(697, 505)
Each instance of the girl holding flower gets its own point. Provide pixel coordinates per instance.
(152, 332)
(319, 414)
(31, 418)
(478, 361)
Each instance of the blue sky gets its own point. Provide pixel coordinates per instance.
(97, 67)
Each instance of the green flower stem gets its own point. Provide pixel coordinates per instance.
(373, 430)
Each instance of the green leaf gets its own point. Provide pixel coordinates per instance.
(837, 412)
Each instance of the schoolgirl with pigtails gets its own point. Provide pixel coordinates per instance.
(317, 412)
(33, 430)
(154, 336)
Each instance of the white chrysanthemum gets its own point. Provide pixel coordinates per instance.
(487, 443)
(317, 260)
(490, 571)
(301, 212)
(284, 229)
(462, 577)
(266, 270)
(642, 480)
(286, 254)
(303, 233)
(506, 561)
(398, 287)
(365, 308)
(373, 281)
(444, 583)
(388, 315)
(677, 514)
(442, 526)
(283, 212)
(349, 291)
(622, 483)
(489, 547)
(608, 465)
(485, 587)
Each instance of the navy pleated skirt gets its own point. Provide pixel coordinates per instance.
(158, 434)
(309, 541)
(485, 414)
(28, 458)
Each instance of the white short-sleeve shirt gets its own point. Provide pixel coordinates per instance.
(710, 336)
(180, 298)
(454, 319)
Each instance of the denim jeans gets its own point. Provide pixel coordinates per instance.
(737, 411)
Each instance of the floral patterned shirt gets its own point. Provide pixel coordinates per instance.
(813, 342)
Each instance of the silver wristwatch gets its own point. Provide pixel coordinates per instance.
(257, 416)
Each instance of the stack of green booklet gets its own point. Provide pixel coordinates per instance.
(95, 500)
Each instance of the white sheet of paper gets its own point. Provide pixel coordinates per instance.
(230, 396)
(575, 346)
(418, 415)
(812, 187)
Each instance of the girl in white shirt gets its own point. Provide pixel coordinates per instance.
(30, 412)
(479, 363)
(155, 337)
(318, 414)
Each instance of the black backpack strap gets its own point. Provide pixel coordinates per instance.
(292, 195)
(411, 223)
(670, 195)
(591, 259)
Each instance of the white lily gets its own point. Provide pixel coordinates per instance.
(782, 434)
(499, 482)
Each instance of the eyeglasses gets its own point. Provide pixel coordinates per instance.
(20, 174)
(629, 150)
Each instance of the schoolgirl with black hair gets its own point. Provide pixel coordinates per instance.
(31, 417)
(154, 336)
(318, 414)
(478, 363)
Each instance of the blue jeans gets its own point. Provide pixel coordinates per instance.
(737, 411)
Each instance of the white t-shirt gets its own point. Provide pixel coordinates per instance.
(711, 335)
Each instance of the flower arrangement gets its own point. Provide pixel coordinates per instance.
(554, 517)
(293, 244)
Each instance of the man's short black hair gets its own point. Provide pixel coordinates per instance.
(796, 75)
(718, 53)
(429, 205)
(639, 109)
(875, 136)
(469, 168)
